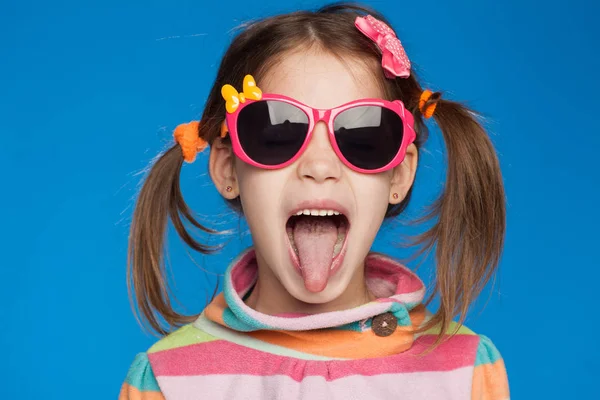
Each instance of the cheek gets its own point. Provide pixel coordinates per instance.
(372, 198)
(373, 189)
(260, 190)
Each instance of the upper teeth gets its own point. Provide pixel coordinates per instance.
(319, 213)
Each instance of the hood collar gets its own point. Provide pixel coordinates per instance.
(397, 289)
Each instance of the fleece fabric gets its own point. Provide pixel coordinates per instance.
(369, 352)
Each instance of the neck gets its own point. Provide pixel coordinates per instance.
(270, 297)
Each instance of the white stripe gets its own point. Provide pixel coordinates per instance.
(453, 385)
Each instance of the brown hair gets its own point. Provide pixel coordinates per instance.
(469, 215)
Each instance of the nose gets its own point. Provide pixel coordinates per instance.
(319, 162)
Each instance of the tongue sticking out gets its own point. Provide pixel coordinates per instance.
(315, 240)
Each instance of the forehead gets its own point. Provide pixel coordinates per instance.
(320, 80)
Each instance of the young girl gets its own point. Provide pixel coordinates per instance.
(314, 124)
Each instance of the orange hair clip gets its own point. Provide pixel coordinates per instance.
(430, 109)
(188, 138)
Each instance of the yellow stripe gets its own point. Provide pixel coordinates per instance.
(490, 382)
(344, 344)
(184, 336)
(129, 392)
(463, 330)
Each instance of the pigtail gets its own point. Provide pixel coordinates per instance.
(470, 213)
(159, 199)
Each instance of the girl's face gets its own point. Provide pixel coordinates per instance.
(315, 260)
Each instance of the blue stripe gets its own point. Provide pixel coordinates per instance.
(241, 322)
(401, 313)
(234, 316)
(140, 374)
(487, 353)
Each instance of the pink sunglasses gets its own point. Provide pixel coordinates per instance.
(272, 131)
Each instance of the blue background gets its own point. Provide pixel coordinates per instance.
(89, 94)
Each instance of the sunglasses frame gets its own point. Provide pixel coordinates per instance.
(328, 116)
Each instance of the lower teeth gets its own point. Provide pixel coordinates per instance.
(338, 245)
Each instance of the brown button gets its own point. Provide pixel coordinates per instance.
(384, 324)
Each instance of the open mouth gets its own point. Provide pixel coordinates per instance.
(315, 222)
(317, 240)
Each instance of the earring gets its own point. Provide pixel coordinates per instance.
(229, 188)
(395, 195)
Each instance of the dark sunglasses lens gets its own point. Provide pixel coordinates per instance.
(369, 137)
(271, 132)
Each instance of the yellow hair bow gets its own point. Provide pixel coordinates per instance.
(233, 98)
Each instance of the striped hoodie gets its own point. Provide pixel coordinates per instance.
(369, 352)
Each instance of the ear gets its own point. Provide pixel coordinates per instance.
(403, 175)
(221, 169)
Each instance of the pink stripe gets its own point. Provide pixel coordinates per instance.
(383, 267)
(244, 274)
(408, 287)
(405, 281)
(221, 357)
(453, 385)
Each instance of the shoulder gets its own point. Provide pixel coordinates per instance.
(469, 349)
(489, 366)
(140, 382)
(487, 352)
(489, 380)
(187, 335)
(477, 347)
